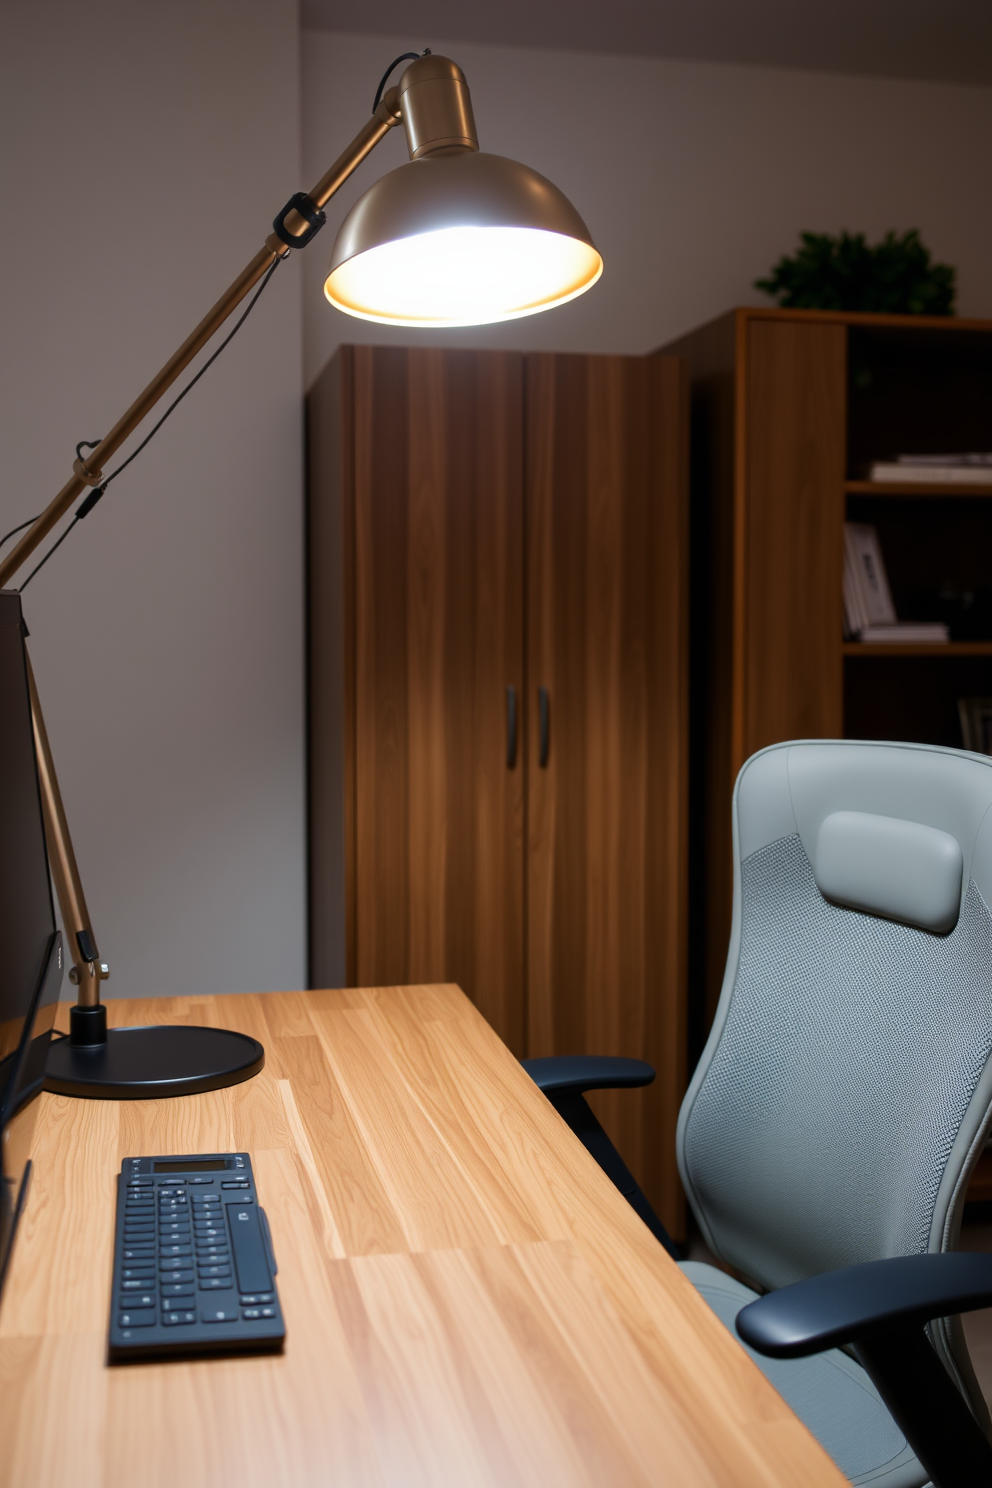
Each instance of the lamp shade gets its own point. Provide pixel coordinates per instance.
(460, 238)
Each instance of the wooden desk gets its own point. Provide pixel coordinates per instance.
(468, 1300)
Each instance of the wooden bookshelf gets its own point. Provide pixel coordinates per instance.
(788, 407)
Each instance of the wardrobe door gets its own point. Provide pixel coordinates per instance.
(434, 854)
(607, 557)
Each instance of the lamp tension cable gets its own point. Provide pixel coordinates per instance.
(90, 501)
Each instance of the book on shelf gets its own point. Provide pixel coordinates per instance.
(869, 613)
(975, 714)
(970, 469)
(867, 600)
(906, 632)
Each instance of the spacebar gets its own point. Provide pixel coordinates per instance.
(249, 1252)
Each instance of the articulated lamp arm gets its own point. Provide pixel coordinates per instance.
(290, 230)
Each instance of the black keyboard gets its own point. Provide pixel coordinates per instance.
(193, 1264)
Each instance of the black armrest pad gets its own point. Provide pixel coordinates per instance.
(581, 1072)
(842, 1306)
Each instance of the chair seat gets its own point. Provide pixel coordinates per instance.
(829, 1392)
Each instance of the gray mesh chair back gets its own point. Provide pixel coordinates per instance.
(845, 1092)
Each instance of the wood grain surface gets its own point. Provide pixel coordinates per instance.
(468, 1300)
(607, 816)
(436, 881)
(791, 686)
(769, 452)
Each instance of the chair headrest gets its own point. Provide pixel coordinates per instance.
(887, 866)
(905, 827)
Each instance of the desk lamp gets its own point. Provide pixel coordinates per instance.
(453, 238)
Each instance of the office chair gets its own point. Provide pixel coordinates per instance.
(843, 1098)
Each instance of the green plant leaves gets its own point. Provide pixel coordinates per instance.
(844, 273)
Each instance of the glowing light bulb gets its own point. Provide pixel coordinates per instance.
(456, 276)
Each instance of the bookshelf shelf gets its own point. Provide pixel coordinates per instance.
(934, 649)
(915, 488)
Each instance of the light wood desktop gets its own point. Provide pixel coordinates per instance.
(468, 1300)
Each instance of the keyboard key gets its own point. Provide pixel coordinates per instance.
(175, 1250)
(251, 1313)
(138, 1273)
(253, 1298)
(236, 1183)
(249, 1251)
(180, 1301)
(198, 1181)
(141, 1318)
(269, 1312)
(171, 1319)
(175, 1288)
(174, 1277)
(140, 1253)
(171, 1182)
(138, 1182)
(216, 1284)
(138, 1284)
(213, 1271)
(218, 1314)
(138, 1299)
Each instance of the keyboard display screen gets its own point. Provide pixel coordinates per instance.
(191, 1165)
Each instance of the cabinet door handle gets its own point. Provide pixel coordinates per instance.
(511, 727)
(544, 719)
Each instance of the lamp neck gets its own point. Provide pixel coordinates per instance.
(436, 107)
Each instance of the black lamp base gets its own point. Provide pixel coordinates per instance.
(151, 1063)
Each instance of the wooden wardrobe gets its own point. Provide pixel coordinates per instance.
(498, 570)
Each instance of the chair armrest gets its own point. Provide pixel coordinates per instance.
(564, 1079)
(843, 1306)
(880, 1309)
(581, 1072)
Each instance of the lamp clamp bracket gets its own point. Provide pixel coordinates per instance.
(305, 210)
(85, 474)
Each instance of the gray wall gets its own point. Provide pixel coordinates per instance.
(693, 177)
(146, 149)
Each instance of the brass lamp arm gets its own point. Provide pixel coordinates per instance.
(289, 226)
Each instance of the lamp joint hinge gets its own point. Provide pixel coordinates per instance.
(299, 222)
(86, 475)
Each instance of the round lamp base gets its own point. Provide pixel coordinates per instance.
(152, 1063)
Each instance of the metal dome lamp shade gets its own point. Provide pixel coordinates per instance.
(456, 237)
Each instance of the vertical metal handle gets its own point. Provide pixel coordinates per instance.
(544, 721)
(511, 727)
